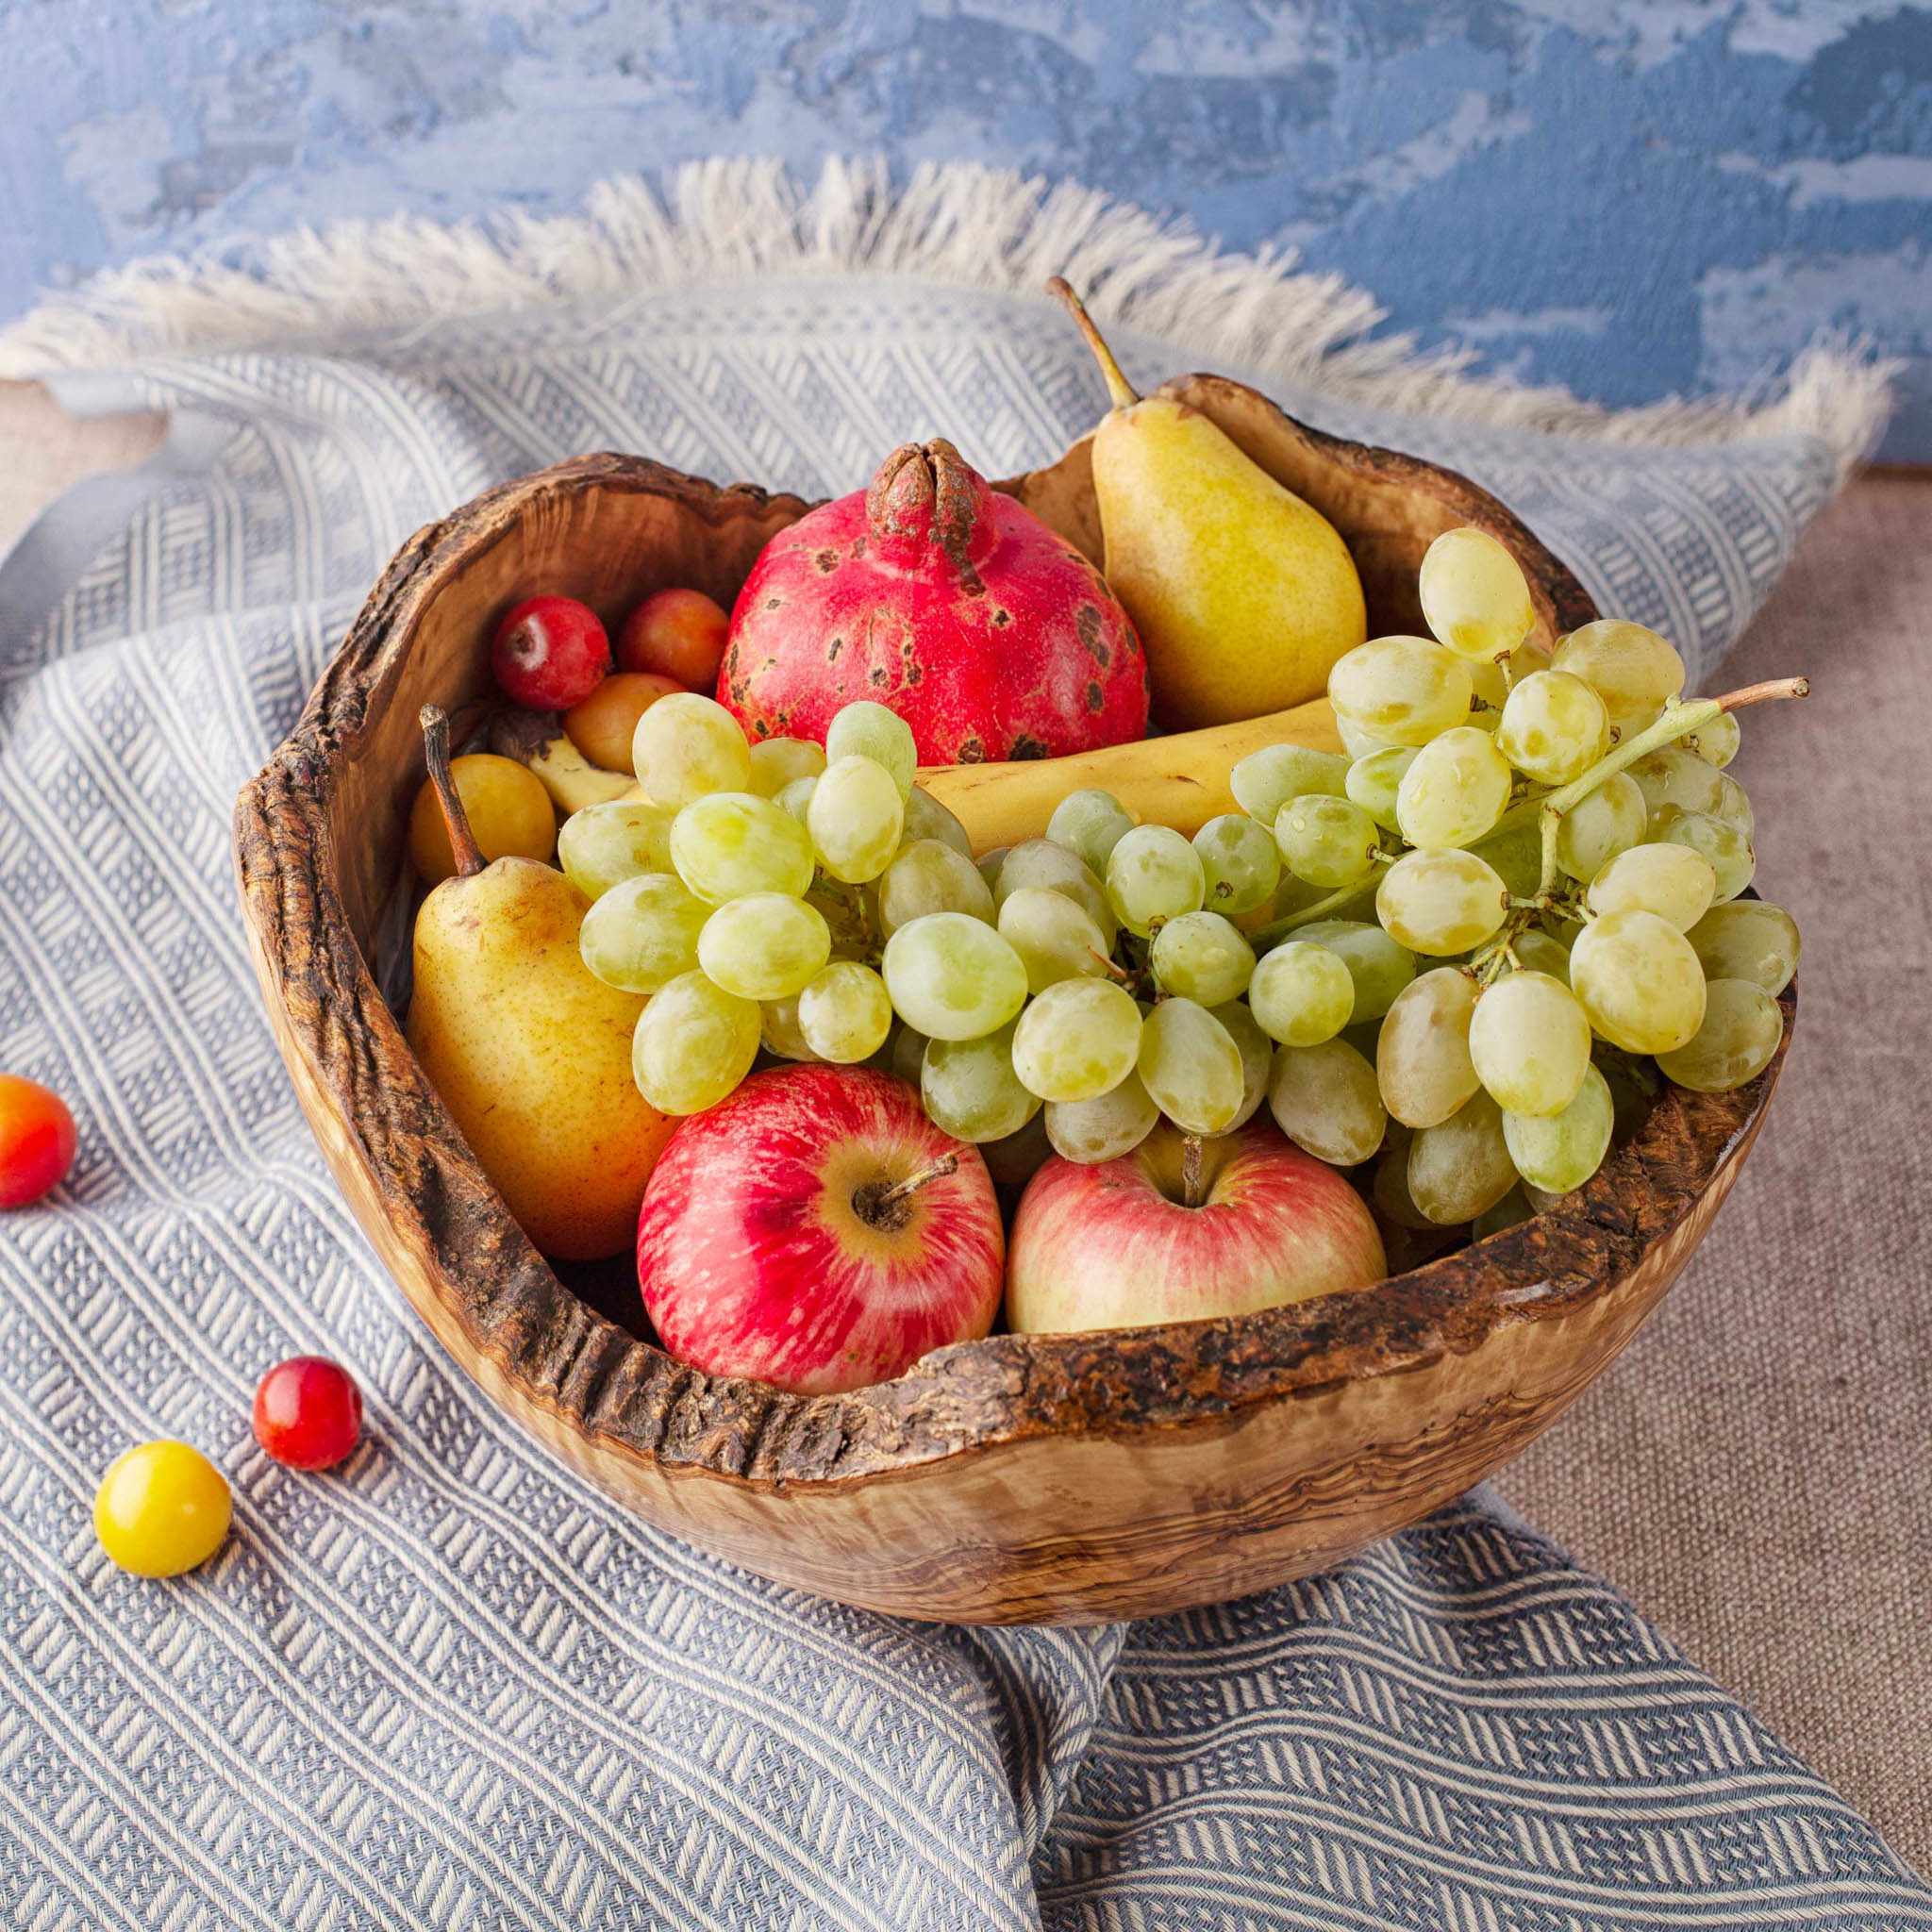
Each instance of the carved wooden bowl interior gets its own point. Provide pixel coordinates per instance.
(1019, 1479)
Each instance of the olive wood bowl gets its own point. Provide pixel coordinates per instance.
(1037, 1478)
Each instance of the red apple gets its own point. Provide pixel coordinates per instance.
(816, 1230)
(1116, 1245)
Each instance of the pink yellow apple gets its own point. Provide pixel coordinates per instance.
(816, 1230)
(1117, 1245)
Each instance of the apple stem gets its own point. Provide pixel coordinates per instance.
(462, 841)
(875, 1204)
(1124, 392)
(1191, 1170)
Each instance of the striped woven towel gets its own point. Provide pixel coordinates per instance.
(449, 1687)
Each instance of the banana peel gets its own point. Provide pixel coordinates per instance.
(537, 739)
(1179, 780)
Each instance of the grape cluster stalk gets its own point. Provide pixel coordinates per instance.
(1464, 949)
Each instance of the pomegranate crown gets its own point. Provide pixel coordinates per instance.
(927, 499)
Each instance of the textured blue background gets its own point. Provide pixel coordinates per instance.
(1630, 196)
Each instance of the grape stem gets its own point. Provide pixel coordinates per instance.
(1263, 937)
(462, 841)
(1107, 965)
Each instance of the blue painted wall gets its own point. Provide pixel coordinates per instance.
(1629, 197)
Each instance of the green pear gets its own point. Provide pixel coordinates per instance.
(1244, 595)
(529, 1051)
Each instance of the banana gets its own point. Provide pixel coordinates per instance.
(536, 739)
(1179, 781)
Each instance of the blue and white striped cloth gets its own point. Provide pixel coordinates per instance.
(450, 1688)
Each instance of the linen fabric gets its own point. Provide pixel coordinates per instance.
(450, 1686)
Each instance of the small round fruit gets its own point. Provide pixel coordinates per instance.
(969, 1087)
(1203, 957)
(1323, 1098)
(1640, 982)
(1152, 874)
(1400, 690)
(1609, 821)
(1054, 936)
(1379, 965)
(1301, 993)
(1554, 728)
(1328, 842)
(1080, 1038)
(1090, 1131)
(776, 761)
(688, 747)
(1529, 1042)
(37, 1140)
(1241, 863)
(550, 654)
(730, 843)
(1462, 1168)
(308, 1412)
(1265, 781)
(1440, 900)
(1669, 879)
(1090, 824)
(1455, 790)
(1632, 669)
(951, 977)
(764, 946)
(1191, 1067)
(866, 730)
(1423, 1066)
(1752, 940)
(845, 1012)
(1743, 1025)
(1473, 594)
(602, 845)
(161, 1509)
(677, 634)
(855, 816)
(643, 932)
(604, 726)
(695, 1043)
(1560, 1152)
(509, 813)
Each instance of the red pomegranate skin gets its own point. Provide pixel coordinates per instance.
(931, 592)
(758, 1254)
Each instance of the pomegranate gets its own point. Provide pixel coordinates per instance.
(929, 591)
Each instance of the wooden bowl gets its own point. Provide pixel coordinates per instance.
(1061, 1478)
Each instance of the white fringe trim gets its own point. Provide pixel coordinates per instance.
(721, 221)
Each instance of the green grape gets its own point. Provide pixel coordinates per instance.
(1053, 936)
(1401, 689)
(1510, 1211)
(1611, 820)
(854, 818)
(764, 946)
(1462, 1168)
(953, 976)
(866, 730)
(794, 797)
(1638, 980)
(970, 1091)
(1323, 1098)
(1423, 1067)
(694, 1041)
(1751, 939)
(1671, 777)
(687, 746)
(1257, 1058)
(1154, 875)
(1743, 1025)
(1015, 1158)
(1204, 958)
(1560, 1152)
(989, 864)
(1733, 805)
(905, 1053)
(1516, 857)
(1327, 842)
(927, 877)
(1715, 742)
(1720, 845)
(1265, 781)
(1554, 728)
(1040, 862)
(1375, 780)
(643, 932)
(1239, 863)
(1078, 1040)
(1302, 993)
(1440, 900)
(1358, 744)
(1090, 1131)
(1674, 881)
(775, 762)
(1191, 1068)
(1455, 791)
(1379, 966)
(926, 818)
(1631, 668)
(779, 1031)
(1536, 951)
(603, 844)
(845, 1012)
(1529, 1042)
(1389, 1189)
(728, 843)
(1089, 824)
(1474, 596)
(1492, 680)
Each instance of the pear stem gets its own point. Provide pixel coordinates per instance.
(462, 841)
(1118, 387)
(1191, 1170)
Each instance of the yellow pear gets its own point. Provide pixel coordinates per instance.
(1243, 594)
(530, 1053)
